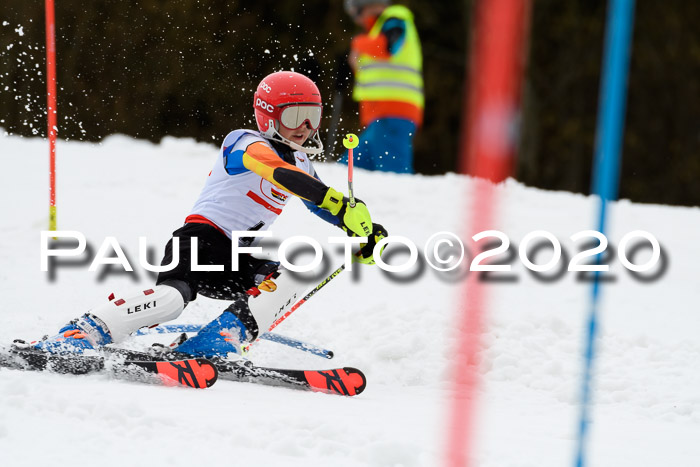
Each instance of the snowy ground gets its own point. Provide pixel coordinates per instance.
(647, 389)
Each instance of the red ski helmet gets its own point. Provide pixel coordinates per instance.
(287, 99)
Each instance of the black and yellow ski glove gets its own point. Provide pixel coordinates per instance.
(355, 220)
(366, 253)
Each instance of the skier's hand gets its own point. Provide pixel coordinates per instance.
(366, 253)
(355, 220)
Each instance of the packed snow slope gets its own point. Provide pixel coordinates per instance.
(398, 328)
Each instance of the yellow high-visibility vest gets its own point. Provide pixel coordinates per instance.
(400, 77)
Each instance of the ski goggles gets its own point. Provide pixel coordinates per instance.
(293, 116)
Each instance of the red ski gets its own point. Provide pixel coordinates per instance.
(191, 372)
(342, 381)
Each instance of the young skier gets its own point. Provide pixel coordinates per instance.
(251, 182)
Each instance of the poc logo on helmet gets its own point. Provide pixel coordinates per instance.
(261, 103)
(266, 87)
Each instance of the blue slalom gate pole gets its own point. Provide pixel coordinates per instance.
(609, 136)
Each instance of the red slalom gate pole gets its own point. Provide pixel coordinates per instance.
(488, 148)
(51, 106)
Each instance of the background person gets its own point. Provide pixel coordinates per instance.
(387, 63)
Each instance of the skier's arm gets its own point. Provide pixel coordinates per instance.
(386, 44)
(259, 158)
(320, 212)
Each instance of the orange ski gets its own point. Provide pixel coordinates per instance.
(137, 366)
(195, 373)
(343, 381)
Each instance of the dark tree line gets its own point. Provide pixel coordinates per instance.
(150, 68)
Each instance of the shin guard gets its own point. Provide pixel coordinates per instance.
(150, 307)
